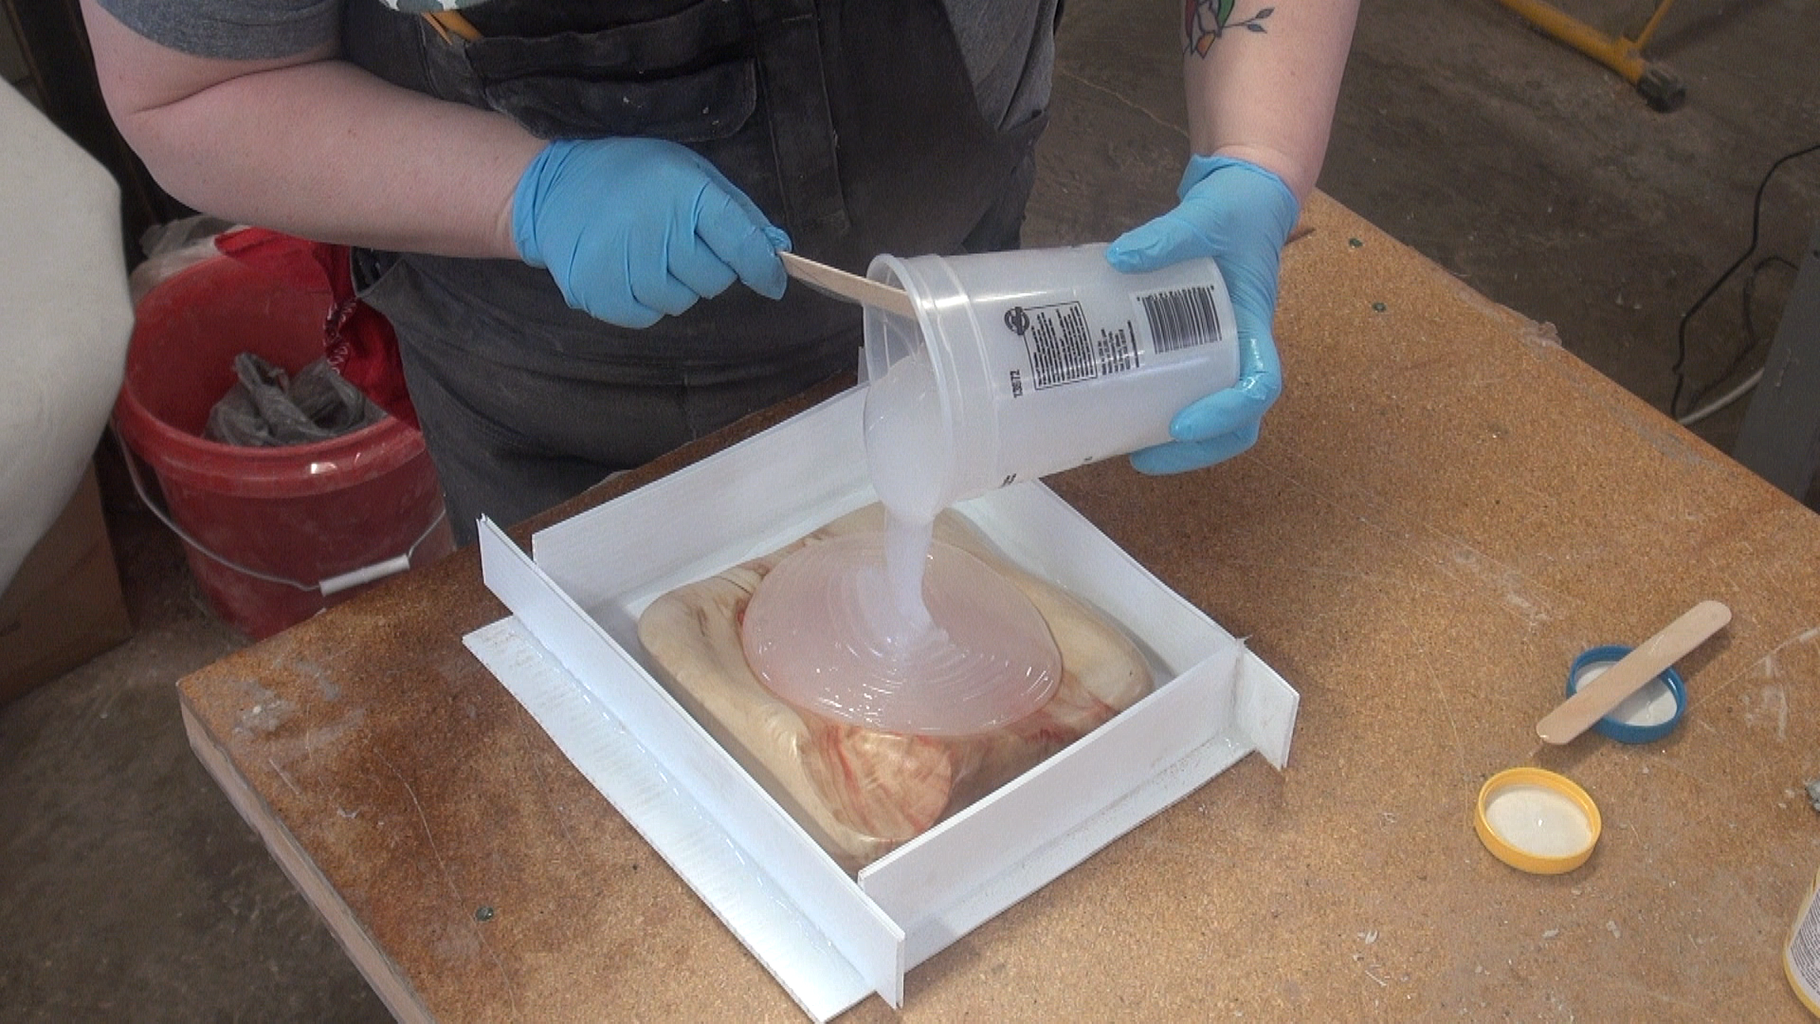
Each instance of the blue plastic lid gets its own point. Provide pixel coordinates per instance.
(1643, 717)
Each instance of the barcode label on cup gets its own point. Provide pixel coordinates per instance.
(1182, 318)
(1065, 346)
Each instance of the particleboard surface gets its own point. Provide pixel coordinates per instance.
(1445, 508)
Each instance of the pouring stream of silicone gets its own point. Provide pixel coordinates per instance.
(825, 633)
(1598, 697)
(901, 633)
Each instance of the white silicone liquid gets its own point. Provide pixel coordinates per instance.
(893, 632)
(1538, 821)
(906, 457)
(906, 554)
(823, 632)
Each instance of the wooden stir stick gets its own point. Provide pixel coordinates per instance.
(1606, 691)
(849, 287)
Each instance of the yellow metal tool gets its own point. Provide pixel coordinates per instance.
(1660, 86)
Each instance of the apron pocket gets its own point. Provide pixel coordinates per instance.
(687, 77)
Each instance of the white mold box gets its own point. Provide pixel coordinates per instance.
(571, 655)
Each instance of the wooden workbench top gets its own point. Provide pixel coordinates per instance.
(1445, 508)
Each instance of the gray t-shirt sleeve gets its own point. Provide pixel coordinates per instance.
(231, 29)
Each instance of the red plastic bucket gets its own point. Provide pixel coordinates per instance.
(273, 535)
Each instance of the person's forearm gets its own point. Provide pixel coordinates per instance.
(318, 147)
(383, 167)
(1262, 86)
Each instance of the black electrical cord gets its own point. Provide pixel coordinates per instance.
(1747, 302)
(1756, 220)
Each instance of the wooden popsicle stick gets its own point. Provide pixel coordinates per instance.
(850, 287)
(1606, 691)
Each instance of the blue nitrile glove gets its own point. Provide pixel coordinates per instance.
(1241, 215)
(632, 228)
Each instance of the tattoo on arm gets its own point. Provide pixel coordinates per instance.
(1204, 21)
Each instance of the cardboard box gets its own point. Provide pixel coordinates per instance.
(572, 656)
(64, 605)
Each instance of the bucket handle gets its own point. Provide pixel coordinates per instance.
(327, 587)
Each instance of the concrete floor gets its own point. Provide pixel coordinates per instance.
(132, 891)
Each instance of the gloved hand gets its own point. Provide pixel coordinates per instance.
(633, 229)
(1241, 215)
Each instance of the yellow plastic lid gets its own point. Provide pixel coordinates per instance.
(1537, 821)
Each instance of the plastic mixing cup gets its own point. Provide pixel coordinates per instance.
(1020, 364)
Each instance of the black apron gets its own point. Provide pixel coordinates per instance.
(855, 129)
